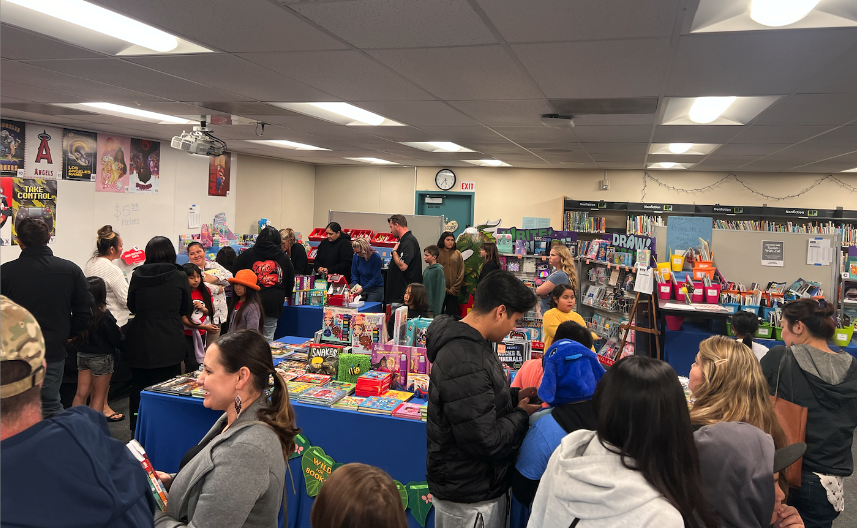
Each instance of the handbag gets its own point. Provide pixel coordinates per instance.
(792, 418)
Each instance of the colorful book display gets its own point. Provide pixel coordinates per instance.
(323, 359)
(398, 395)
(379, 405)
(336, 324)
(373, 383)
(367, 329)
(322, 396)
(418, 382)
(349, 403)
(411, 411)
(417, 331)
(342, 385)
(513, 353)
(296, 388)
(352, 366)
(400, 326)
(394, 359)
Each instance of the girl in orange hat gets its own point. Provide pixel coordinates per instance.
(248, 312)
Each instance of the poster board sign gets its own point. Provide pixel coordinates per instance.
(43, 154)
(80, 151)
(685, 231)
(773, 252)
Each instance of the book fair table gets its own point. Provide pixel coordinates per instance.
(304, 321)
(168, 425)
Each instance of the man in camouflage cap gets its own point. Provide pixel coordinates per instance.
(64, 469)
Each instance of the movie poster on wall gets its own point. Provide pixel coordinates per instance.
(218, 174)
(145, 166)
(112, 165)
(12, 141)
(35, 198)
(43, 154)
(79, 155)
(7, 214)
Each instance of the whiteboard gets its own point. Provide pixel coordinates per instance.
(426, 229)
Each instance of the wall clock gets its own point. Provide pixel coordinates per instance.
(444, 179)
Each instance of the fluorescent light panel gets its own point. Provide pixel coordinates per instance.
(374, 161)
(694, 149)
(779, 13)
(669, 165)
(282, 143)
(695, 111)
(714, 16)
(127, 111)
(707, 109)
(851, 170)
(337, 112)
(436, 146)
(488, 163)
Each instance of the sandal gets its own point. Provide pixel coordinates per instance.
(113, 417)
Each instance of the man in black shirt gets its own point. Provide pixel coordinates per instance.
(406, 266)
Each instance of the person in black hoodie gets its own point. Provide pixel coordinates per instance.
(160, 299)
(807, 372)
(334, 254)
(274, 275)
(476, 423)
(55, 291)
(295, 250)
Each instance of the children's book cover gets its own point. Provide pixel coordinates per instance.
(410, 411)
(379, 405)
(418, 382)
(349, 403)
(352, 366)
(313, 379)
(419, 363)
(394, 359)
(398, 395)
(367, 329)
(417, 331)
(323, 359)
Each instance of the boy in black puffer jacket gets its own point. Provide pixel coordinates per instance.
(476, 423)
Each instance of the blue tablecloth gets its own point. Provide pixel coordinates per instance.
(305, 321)
(681, 346)
(168, 426)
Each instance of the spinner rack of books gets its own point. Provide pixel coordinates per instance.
(528, 268)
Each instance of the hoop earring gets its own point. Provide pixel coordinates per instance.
(238, 404)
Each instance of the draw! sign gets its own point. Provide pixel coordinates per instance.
(635, 242)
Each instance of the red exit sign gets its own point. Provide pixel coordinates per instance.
(467, 186)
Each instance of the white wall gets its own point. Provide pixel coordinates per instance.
(367, 189)
(183, 182)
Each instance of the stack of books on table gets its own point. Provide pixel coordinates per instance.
(342, 385)
(349, 403)
(424, 411)
(402, 396)
(378, 405)
(322, 396)
(313, 379)
(373, 383)
(410, 411)
(291, 375)
(296, 389)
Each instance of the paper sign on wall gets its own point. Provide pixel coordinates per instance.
(819, 252)
(772, 253)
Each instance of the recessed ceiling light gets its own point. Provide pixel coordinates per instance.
(851, 170)
(374, 161)
(707, 109)
(488, 163)
(668, 165)
(445, 145)
(779, 13)
(436, 146)
(103, 21)
(352, 112)
(286, 144)
(112, 109)
(680, 148)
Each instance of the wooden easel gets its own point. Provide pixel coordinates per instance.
(653, 321)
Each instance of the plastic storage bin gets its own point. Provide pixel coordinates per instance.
(677, 262)
(703, 264)
(674, 322)
(665, 291)
(842, 336)
(778, 333)
(752, 308)
(698, 293)
(712, 294)
(699, 273)
(731, 307)
(765, 331)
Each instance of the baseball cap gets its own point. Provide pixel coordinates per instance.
(20, 340)
(786, 456)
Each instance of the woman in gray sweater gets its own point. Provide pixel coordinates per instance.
(235, 476)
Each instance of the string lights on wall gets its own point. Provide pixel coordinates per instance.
(647, 177)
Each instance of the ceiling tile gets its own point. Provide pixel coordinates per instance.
(557, 20)
(838, 76)
(346, 74)
(846, 135)
(116, 72)
(613, 134)
(629, 158)
(16, 43)
(459, 134)
(749, 149)
(540, 134)
(606, 65)
(747, 63)
(484, 72)
(396, 133)
(617, 148)
(816, 149)
(520, 112)
(811, 109)
(85, 89)
(399, 23)
(613, 119)
(208, 69)
(289, 121)
(418, 113)
(245, 26)
(778, 134)
(695, 134)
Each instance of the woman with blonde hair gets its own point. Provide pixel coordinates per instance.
(295, 250)
(366, 276)
(561, 260)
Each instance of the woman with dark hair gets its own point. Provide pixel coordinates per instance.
(453, 269)
(236, 475)
(643, 451)
(216, 278)
(295, 250)
(334, 254)
(358, 495)
(159, 296)
(95, 349)
(807, 372)
(490, 259)
(248, 313)
(745, 324)
(275, 275)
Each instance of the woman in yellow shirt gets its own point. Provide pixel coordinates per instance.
(562, 309)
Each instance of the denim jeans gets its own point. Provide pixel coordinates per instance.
(373, 294)
(811, 502)
(50, 393)
(271, 327)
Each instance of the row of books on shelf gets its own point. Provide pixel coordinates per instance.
(847, 232)
(602, 251)
(644, 224)
(581, 221)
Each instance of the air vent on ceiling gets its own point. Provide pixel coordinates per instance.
(575, 107)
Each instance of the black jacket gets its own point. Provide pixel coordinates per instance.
(487, 268)
(299, 259)
(474, 428)
(274, 274)
(336, 256)
(397, 280)
(105, 340)
(831, 410)
(54, 290)
(158, 296)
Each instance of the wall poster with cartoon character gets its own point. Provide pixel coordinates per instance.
(43, 153)
(7, 214)
(218, 174)
(34, 198)
(12, 141)
(112, 163)
(145, 164)
(79, 155)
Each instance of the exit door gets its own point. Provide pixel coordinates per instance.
(454, 207)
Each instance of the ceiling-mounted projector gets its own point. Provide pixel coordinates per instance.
(557, 121)
(201, 141)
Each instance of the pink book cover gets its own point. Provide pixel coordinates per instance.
(395, 359)
(418, 361)
(408, 410)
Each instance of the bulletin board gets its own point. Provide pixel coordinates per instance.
(738, 256)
